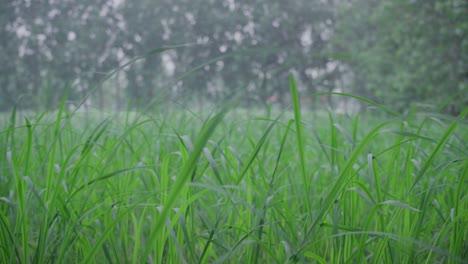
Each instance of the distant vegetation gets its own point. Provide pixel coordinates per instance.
(230, 187)
(398, 53)
(206, 131)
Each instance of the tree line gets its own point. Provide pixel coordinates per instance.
(393, 52)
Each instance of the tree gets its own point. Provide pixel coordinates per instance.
(53, 45)
(8, 44)
(257, 44)
(405, 51)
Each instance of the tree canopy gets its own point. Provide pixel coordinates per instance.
(394, 52)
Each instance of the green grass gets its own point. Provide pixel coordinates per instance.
(184, 187)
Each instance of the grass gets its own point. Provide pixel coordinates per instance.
(184, 187)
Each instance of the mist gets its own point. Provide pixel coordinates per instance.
(116, 55)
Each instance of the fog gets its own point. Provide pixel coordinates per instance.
(121, 55)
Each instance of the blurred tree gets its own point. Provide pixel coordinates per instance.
(253, 46)
(8, 83)
(53, 45)
(401, 50)
(406, 51)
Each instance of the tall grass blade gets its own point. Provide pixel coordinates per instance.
(428, 163)
(185, 174)
(300, 138)
(254, 154)
(266, 204)
(339, 185)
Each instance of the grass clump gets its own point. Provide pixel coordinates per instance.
(193, 188)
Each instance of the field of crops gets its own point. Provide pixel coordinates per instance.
(233, 186)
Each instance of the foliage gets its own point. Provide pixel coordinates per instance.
(180, 187)
(394, 52)
(406, 51)
(52, 45)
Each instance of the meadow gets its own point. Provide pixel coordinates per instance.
(234, 186)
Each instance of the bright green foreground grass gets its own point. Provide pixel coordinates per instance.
(183, 188)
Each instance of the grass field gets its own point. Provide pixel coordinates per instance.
(234, 186)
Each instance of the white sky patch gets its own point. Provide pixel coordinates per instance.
(120, 54)
(219, 65)
(38, 21)
(53, 13)
(71, 36)
(168, 64)
(41, 38)
(104, 11)
(249, 28)
(190, 18)
(223, 48)
(231, 5)
(314, 73)
(116, 3)
(251, 87)
(22, 31)
(166, 31)
(331, 66)
(137, 38)
(275, 23)
(203, 40)
(48, 54)
(48, 29)
(211, 88)
(281, 58)
(238, 37)
(306, 38)
(326, 34)
(24, 50)
(326, 30)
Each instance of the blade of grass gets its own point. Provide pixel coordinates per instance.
(343, 178)
(299, 137)
(457, 238)
(9, 254)
(185, 174)
(428, 163)
(255, 152)
(266, 204)
(50, 193)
